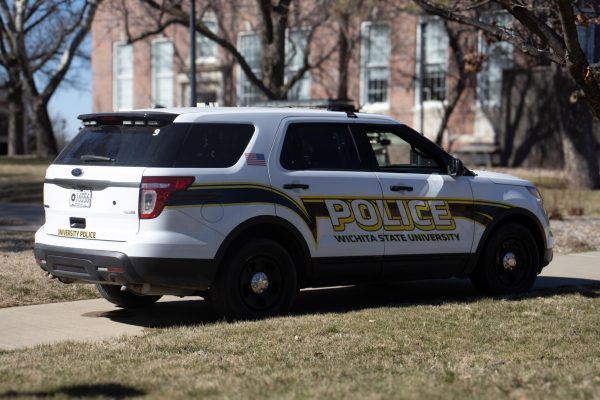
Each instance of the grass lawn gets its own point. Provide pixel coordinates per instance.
(541, 346)
(22, 282)
(21, 179)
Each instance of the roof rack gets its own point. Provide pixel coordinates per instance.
(344, 105)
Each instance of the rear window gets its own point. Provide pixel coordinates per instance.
(172, 146)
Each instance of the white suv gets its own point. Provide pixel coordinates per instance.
(247, 205)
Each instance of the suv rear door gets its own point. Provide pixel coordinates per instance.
(319, 169)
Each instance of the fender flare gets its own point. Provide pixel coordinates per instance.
(512, 213)
(257, 222)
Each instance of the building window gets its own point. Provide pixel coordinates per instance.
(375, 71)
(295, 50)
(499, 58)
(206, 49)
(123, 77)
(435, 65)
(249, 47)
(162, 73)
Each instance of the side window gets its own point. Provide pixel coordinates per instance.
(214, 145)
(319, 146)
(395, 154)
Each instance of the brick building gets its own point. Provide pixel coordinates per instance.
(384, 71)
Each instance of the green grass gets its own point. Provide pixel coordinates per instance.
(22, 282)
(542, 346)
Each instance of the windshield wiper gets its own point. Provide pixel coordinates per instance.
(92, 157)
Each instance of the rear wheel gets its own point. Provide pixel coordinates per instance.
(258, 281)
(509, 263)
(125, 299)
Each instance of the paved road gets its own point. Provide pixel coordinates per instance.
(97, 319)
(21, 216)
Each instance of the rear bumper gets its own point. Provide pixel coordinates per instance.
(111, 267)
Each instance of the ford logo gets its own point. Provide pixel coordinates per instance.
(77, 172)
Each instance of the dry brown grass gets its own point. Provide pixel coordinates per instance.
(21, 180)
(539, 347)
(559, 201)
(22, 282)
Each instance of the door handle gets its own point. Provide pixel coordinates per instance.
(401, 188)
(295, 186)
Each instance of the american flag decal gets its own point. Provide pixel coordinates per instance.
(255, 159)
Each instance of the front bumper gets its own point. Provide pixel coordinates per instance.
(548, 255)
(112, 267)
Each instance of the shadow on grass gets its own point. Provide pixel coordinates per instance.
(347, 299)
(112, 390)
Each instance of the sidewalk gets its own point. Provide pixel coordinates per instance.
(98, 319)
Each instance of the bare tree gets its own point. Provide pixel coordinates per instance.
(274, 19)
(545, 29)
(38, 41)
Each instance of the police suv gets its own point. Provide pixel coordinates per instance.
(247, 205)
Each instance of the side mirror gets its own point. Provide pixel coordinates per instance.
(456, 168)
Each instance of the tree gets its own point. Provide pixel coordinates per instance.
(546, 29)
(38, 41)
(275, 18)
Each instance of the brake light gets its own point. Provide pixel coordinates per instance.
(156, 190)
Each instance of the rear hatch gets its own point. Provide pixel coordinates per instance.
(92, 189)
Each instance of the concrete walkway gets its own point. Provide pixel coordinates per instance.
(97, 319)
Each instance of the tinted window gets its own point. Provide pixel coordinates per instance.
(319, 146)
(214, 145)
(125, 146)
(175, 145)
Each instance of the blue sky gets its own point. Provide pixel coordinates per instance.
(70, 100)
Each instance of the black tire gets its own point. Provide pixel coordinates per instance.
(509, 263)
(125, 299)
(271, 268)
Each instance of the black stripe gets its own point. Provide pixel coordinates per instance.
(238, 195)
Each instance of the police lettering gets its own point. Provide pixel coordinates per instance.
(392, 215)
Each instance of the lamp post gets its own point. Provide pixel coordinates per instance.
(192, 53)
(422, 75)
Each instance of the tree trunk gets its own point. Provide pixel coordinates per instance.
(16, 116)
(45, 143)
(344, 56)
(578, 141)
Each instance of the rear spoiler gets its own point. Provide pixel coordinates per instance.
(128, 118)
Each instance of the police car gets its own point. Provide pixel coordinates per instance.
(245, 206)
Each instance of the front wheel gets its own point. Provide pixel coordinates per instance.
(509, 263)
(258, 281)
(125, 299)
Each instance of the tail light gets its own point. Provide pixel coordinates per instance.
(156, 190)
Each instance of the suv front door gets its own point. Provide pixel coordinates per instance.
(427, 228)
(331, 199)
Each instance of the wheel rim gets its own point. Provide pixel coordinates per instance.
(512, 263)
(261, 283)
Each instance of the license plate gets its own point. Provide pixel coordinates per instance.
(80, 198)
